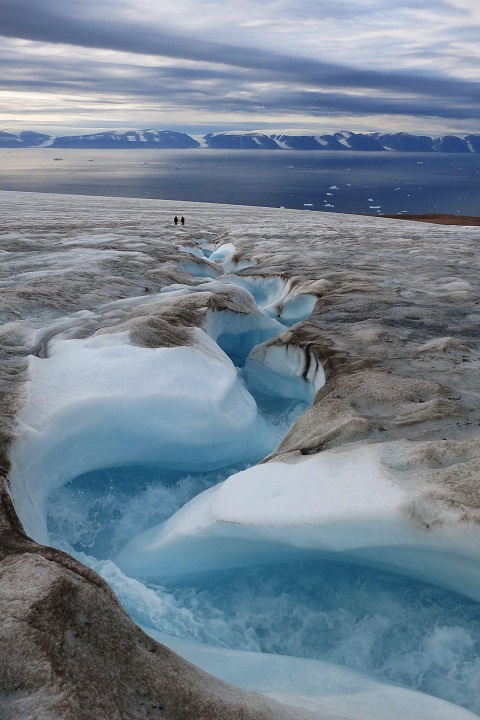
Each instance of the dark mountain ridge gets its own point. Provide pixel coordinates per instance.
(173, 140)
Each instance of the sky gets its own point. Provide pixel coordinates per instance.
(202, 65)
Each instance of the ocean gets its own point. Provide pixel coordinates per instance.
(345, 182)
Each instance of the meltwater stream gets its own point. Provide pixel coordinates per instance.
(312, 606)
(395, 627)
(98, 512)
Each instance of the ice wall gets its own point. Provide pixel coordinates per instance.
(102, 401)
(285, 370)
(346, 502)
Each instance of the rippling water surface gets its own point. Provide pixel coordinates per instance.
(343, 182)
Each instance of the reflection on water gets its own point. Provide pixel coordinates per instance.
(329, 181)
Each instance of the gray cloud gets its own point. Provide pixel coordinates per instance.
(223, 77)
(354, 9)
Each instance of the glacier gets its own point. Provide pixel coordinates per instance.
(260, 435)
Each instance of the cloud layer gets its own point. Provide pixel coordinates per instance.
(378, 64)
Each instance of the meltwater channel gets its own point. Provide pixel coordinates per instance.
(312, 606)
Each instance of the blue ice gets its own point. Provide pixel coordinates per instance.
(314, 607)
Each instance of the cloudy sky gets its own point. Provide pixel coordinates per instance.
(200, 65)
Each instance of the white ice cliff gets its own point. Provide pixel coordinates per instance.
(118, 404)
(264, 444)
(316, 504)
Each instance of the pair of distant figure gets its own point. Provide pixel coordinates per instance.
(182, 220)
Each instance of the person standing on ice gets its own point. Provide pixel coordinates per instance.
(182, 220)
(175, 220)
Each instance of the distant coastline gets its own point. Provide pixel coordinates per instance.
(230, 140)
(438, 218)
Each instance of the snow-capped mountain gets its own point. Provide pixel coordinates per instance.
(308, 142)
(24, 139)
(404, 142)
(240, 140)
(165, 139)
(362, 142)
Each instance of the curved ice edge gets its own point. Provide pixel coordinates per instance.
(345, 501)
(290, 300)
(325, 689)
(101, 402)
(227, 256)
(81, 395)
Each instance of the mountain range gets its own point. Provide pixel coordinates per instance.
(172, 140)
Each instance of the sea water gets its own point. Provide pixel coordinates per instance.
(345, 182)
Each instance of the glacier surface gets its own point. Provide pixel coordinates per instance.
(149, 370)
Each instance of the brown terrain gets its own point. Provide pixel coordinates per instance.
(439, 218)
